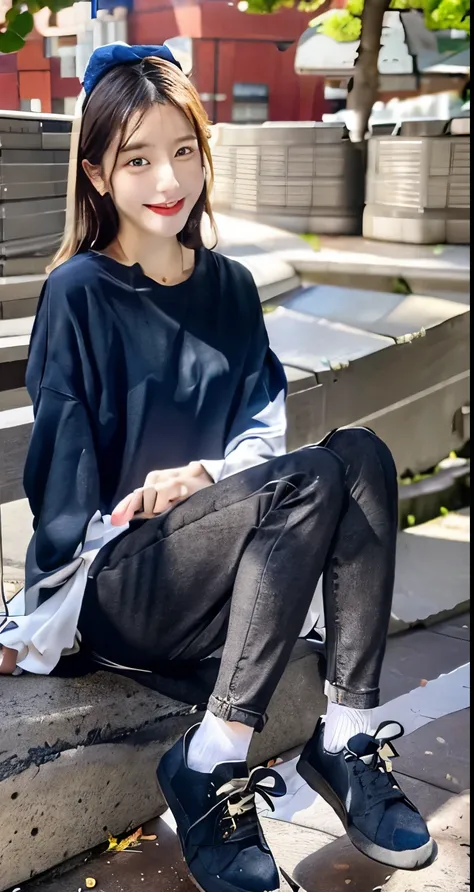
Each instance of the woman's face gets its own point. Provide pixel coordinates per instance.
(158, 175)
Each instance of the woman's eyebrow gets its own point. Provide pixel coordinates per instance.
(138, 146)
(186, 136)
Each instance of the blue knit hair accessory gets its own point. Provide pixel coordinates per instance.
(107, 57)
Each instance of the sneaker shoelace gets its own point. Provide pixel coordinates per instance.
(373, 765)
(240, 796)
(237, 799)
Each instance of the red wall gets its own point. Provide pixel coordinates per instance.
(28, 75)
(291, 98)
(9, 87)
(245, 53)
(9, 91)
(62, 87)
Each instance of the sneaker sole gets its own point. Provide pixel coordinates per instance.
(410, 859)
(175, 808)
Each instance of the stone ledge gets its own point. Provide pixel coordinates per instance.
(78, 757)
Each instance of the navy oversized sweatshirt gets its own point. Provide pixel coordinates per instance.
(127, 376)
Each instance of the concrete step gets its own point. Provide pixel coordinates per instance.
(353, 261)
(78, 757)
(433, 571)
(431, 577)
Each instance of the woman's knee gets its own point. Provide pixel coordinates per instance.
(324, 465)
(360, 443)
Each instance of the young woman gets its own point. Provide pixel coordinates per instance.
(168, 520)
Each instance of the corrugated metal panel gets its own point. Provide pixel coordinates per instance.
(292, 176)
(34, 150)
(418, 188)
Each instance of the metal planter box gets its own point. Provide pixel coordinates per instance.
(418, 183)
(304, 177)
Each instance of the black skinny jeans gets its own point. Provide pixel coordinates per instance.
(237, 565)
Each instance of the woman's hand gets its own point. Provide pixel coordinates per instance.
(8, 658)
(162, 490)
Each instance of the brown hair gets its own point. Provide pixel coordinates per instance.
(122, 92)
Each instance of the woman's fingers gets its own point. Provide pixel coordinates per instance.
(159, 497)
(151, 499)
(125, 510)
(154, 477)
(167, 494)
(194, 469)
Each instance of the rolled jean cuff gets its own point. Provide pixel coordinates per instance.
(355, 700)
(229, 712)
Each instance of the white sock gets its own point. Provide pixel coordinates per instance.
(341, 723)
(218, 741)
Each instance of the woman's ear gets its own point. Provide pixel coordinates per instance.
(94, 173)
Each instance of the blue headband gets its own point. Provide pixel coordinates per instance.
(107, 57)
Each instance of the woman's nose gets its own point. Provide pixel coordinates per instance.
(166, 179)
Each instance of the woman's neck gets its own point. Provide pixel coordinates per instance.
(159, 257)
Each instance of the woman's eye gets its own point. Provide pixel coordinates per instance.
(184, 150)
(137, 162)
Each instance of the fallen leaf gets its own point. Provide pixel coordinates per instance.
(129, 840)
(152, 837)
(116, 846)
(90, 882)
(423, 682)
(113, 843)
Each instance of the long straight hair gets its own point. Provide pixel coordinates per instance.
(122, 93)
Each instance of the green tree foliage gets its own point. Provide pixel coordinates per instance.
(346, 24)
(19, 21)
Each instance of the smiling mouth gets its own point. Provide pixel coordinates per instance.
(173, 207)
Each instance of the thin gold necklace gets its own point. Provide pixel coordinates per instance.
(162, 280)
(165, 279)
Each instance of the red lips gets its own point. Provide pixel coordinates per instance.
(166, 211)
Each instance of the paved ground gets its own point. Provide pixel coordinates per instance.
(425, 685)
(443, 270)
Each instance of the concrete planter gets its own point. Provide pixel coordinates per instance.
(418, 183)
(304, 177)
(34, 154)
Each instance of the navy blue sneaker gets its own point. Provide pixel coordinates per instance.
(221, 838)
(357, 782)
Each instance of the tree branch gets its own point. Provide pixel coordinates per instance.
(364, 90)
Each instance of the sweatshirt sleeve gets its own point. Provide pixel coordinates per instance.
(61, 477)
(258, 428)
